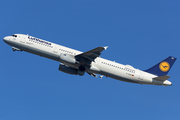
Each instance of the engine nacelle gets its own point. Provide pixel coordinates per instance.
(67, 58)
(67, 69)
(72, 71)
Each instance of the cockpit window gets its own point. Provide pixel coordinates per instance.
(14, 35)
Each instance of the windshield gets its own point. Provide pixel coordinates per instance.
(14, 35)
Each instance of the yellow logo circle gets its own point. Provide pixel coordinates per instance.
(164, 66)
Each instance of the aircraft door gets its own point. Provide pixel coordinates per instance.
(22, 39)
(97, 61)
(141, 75)
(55, 49)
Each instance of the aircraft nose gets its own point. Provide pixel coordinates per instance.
(5, 39)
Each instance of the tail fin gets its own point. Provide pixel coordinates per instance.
(163, 67)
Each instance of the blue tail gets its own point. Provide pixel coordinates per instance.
(163, 67)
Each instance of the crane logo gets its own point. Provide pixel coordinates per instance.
(164, 66)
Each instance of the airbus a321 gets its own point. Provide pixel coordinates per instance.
(77, 63)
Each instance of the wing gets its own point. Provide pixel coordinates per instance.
(89, 56)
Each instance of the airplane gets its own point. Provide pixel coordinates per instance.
(77, 63)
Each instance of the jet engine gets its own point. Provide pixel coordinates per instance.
(81, 70)
(70, 70)
(68, 58)
(67, 69)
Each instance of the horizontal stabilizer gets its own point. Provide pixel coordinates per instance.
(162, 78)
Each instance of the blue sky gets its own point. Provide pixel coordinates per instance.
(140, 33)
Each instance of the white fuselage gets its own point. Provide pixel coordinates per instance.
(99, 65)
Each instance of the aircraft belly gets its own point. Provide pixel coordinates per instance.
(43, 53)
(117, 74)
(118, 77)
(38, 51)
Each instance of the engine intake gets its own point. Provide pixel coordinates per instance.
(81, 70)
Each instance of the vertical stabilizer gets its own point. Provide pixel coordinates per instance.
(163, 67)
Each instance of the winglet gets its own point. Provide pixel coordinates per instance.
(105, 47)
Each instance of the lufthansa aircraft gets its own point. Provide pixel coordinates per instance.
(77, 63)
